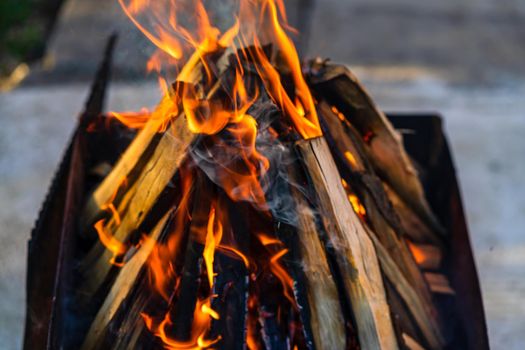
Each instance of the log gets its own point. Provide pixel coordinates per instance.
(439, 283)
(387, 233)
(139, 199)
(339, 87)
(413, 301)
(369, 190)
(152, 174)
(355, 252)
(137, 153)
(410, 343)
(326, 318)
(121, 288)
(412, 224)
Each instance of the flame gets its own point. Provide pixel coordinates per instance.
(133, 120)
(421, 256)
(203, 312)
(110, 242)
(200, 326)
(358, 207)
(176, 41)
(340, 115)
(276, 268)
(188, 43)
(109, 206)
(213, 238)
(251, 324)
(267, 240)
(161, 270)
(237, 253)
(282, 275)
(351, 159)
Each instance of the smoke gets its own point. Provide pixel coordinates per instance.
(223, 160)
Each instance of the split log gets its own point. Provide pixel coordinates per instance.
(349, 150)
(439, 283)
(355, 253)
(231, 282)
(369, 190)
(420, 312)
(121, 288)
(337, 85)
(139, 199)
(327, 322)
(139, 150)
(412, 224)
(151, 176)
(387, 231)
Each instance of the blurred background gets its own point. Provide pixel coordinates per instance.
(464, 59)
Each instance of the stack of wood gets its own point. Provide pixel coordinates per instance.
(341, 252)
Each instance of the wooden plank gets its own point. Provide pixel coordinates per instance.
(356, 256)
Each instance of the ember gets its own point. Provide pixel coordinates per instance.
(262, 204)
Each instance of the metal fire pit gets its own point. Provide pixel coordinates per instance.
(54, 231)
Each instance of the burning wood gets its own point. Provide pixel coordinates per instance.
(262, 204)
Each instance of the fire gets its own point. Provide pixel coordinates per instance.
(109, 206)
(133, 120)
(276, 268)
(186, 37)
(425, 255)
(213, 238)
(203, 313)
(111, 243)
(350, 157)
(161, 270)
(236, 252)
(340, 115)
(282, 275)
(358, 207)
(201, 322)
(257, 23)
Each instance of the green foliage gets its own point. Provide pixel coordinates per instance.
(19, 34)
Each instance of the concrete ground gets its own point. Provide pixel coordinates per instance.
(462, 59)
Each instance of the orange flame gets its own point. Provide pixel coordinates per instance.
(201, 324)
(110, 242)
(133, 120)
(176, 41)
(183, 31)
(358, 207)
(424, 255)
(351, 159)
(282, 275)
(251, 324)
(203, 313)
(237, 253)
(160, 263)
(213, 238)
(340, 115)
